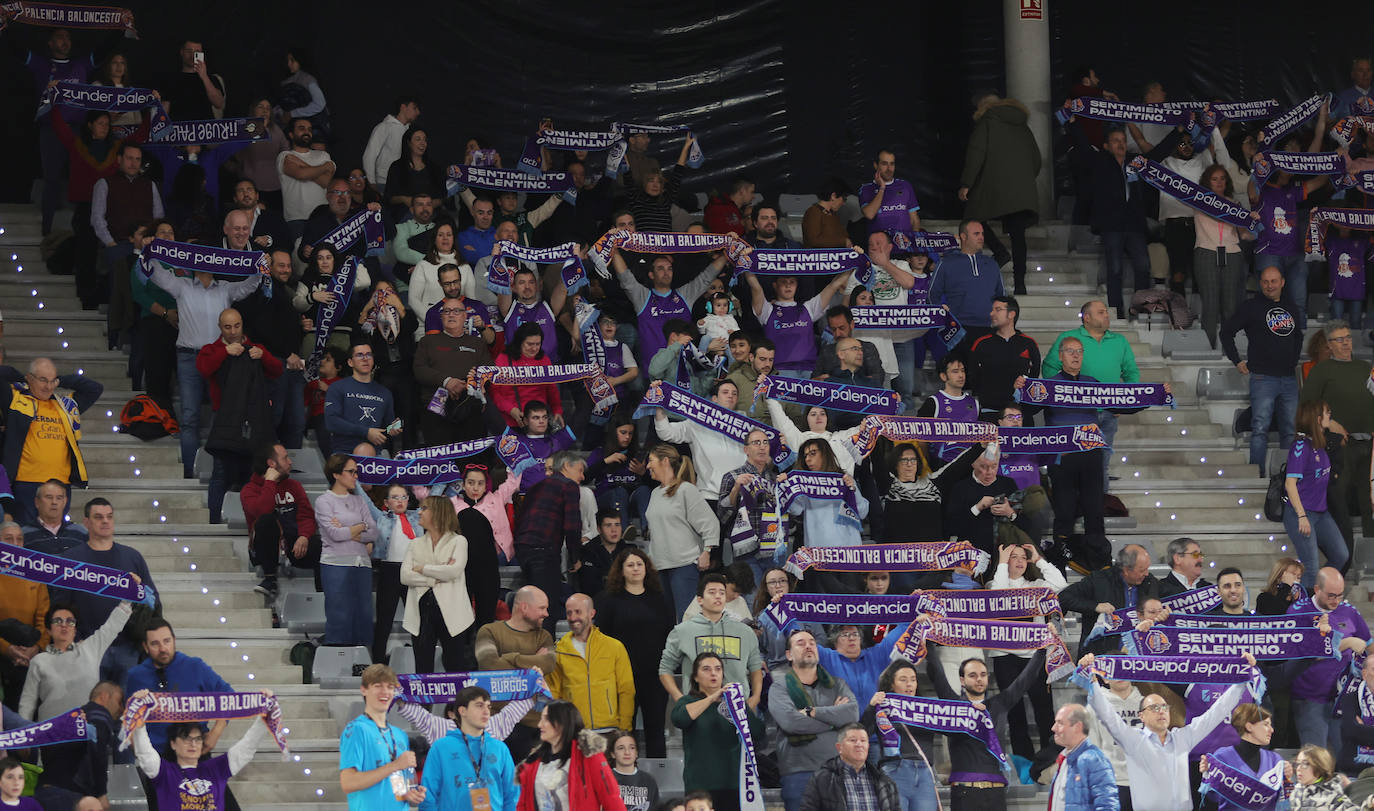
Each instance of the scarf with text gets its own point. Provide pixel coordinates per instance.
(1172, 670)
(500, 272)
(62, 15)
(843, 609)
(1197, 601)
(1082, 394)
(383, 318)
(1235, 785)
(170, 708)
(666, 243)
(1348, 682)
(1297, 163)
(503, 180)
(1264, 643)
(365, 225)
(994, 634)
(60, 573)
(438, 688)
(1304, 619)
(1274, 131)
(916, 317)
(917, 429)
(599, 388)
(809, 262)
(1357, 219)
(97, 97)
(989, 604)
(823, 393)
(1051, 440)
(1104, 109)
(616, 164)
(341, 286)
(515, 452)
(960, 556)
(693, 359)
(1360, 117)
(1192, 195)
(931, 243)
(65, 728)
(204, 259)
(482, 376)
(566, 141)
(712, 417)
(423, 467)
(1364, 700)
(822, 486)
(937, 715)
(206, 132)
(734, 707)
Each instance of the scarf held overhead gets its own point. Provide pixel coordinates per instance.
(1192, 195)
(341, 286)
(889, 317)
(61, 573)
(712, 417)
(937, 715)
(1169, 669)
(1274, 131)
(1052, 440)
(823, 393)
(810, 262)
(917, 429)
(615, 159)
(500, 272)
(365, 225)
(62, 15)
(998, 635)
(822, 486)
(203, 259)
(502, 180)
(1265, 643)
(1197, 601)
(422, 471)
(566, 141)
(168, 708)
(436, 688)
(1076, 394)
(669, 243)
(1357, 219)
(989, 604)
(960, 556)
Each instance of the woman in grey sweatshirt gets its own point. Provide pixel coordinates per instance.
(683, 529)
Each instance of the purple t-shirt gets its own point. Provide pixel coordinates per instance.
(659, 309)
(790, 328)
(46, 69)
(964, 408)
(540, 314)
(919, 294)
(1345, 258)
(199, 788)
(1021, 468)
(1317, 681)
(1283, 226)
(899, 198)
(1199, 698)
(1312, 468)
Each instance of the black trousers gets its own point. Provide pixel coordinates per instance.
(434, 631)
(1005, 669)
(1078, 488)
(390, 593)
(543, 567)
(968, 798)
(1015, 224)
(267, 541)
(158, 342)
(521, 741)
(1180, 236)
(653, 706)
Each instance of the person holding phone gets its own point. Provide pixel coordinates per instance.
(1021, 566)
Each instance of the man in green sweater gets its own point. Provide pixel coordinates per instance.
(1343, 383)
(1107, 356)
(517, 643)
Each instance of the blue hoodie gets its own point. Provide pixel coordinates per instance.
(449, 772)
(967, 284)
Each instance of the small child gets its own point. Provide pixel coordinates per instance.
(719, 321)
(638, 790)
(333, 360)
(12, 786)
(1345, 258)
(698, 801)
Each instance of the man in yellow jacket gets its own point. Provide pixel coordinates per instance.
(593, 671)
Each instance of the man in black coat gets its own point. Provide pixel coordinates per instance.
(81, 768)
(1124, 585)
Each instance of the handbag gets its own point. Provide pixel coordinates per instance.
(1276, 496)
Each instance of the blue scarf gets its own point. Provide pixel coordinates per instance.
(889, 317)
(615, 160)
(436, 688)
(1358, 219)
(809, 262)
(204, 259)
(423, 467)
(1051, 441)
(1297, 163)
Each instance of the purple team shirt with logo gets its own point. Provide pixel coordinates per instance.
(540, 314)
(1021, 468)
(1345, 257)
(1317, 681)
(659, 309)
(1312, 468)
(899, 199)
(963, 408)
(790, 328)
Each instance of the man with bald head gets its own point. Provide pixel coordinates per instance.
(850, 352)
(1314, 680)
(588, 658)
(42, 430)
(1124, 585)
(238, 231)
(519, 642)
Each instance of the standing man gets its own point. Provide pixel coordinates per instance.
(193, 93)
(305, 174)
(1107, 358)
(24, 602)
(167, 670)
(469, 760)
(414, 237)
(1125, 585)
(593, 671)
(789, 324)
(443, 360)
(967, 282)
(118, 204)
(1274, 347)
(1343, 382)
(995, 360)
(476, 241)
(1314, 681)
(951, 402)
(1085, 780)
(1361, 74)
(889, 203)
(272, 320)
(517, 643)
(821, 225)
(766, 233)
(657, 305)
(746, 377)
(384, 144)
(42, 432)
(1185, 568)
(750, 516)
(551, 517)
(357, 409)
(51, 531)
(712, 631)
(848, 780)
(56, 65)
(810, 707)
(375, 757)
(526, 305)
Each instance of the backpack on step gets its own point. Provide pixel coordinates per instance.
(146, 419)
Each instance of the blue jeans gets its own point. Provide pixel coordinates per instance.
(793, 787)
(1106, 420)
(191, 387)
(681, 585)
(1273, 403)
(914, 784)
(347, 604)
(1350, 311)
(905, 382)
(1119, 247)
(1326, 535)
(288, 406)
(1294, 269)
(1316, 726)
(799, 374)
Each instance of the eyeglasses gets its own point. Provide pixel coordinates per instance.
(1013, 417)
(352, 471)
(776, 582)
(338, 192)
(908, 460)
(1302, 763)
(195, 739)
(1344, 339)
(357, 177)
(452, 310)
(757, 442)
(64, 621)
(1155, 708)
(401, 497)
(47, 381)
(1195, 555)
(848, 635)
(362, 356)
(1071, 352)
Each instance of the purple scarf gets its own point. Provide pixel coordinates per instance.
(567, 141)
(809, 262)
(1052, 440)
(1192, 195)
(1197, 601)
(711, 416)
(365, 225)
(65, 728)
(1280, 622)
(918, 429)
(843, 609)
(839, 396)
(960, 556)
(1104, 109)
(341, 285)
(501, 180)
(503, 685)
(936, 715)
(989, 604)
(1235, 785)
(61, 573)
(1007, 636)
(1358, 219)
(672, 242)
(823, 486)
(1173, 670)
(1265, 643)
(693, 359)
(615, 159)
(1274, 131)
(424, 467)
(735, 709)
(909, 317)
(99, 97)
(931, 243)
(64, 15)
(203, 259)
(167, 132)
(1082, 394)
(166, 708)
(482, 376)
(1297, 163)
(499, 273)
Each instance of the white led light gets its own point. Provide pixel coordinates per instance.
(59, 332)
(1258, 516)
(235, 645)
(251, 677)
(107, 413)
(245, 657)
(138, 472)
(223, 620)
(297, 758)
(1159, 504)
(162, 518)
(186, 550)
(64, 344)
(1183, 432)
(33, 292)
(1202, 459)
(1066, 302)
(1123, 458)
(40, 306)
(1219, 473)
(1168, 419)
(217, 603)
(307, 771)
(1137, 474)
(155, 502)
(319, 792)
(1240, 501)
(133, 458)
(193, 567)
(1173, 516)
(204, 590)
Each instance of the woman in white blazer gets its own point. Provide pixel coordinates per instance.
(438, 608)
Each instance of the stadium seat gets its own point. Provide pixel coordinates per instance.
(303, 612)
(667, 772)
(1222, 384)
(795, 205)
(1188, 344)
(402, 659)
(336, 668)
(124, 789)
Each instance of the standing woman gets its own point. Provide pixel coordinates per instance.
(1282, 589)
(115, 73)
(1251, 757)
(425, 290)
(313, 294)
(258, 161)
(822, 518)
(347, 533)
(651, 201)
(710, 744)
(998, 181)
(397, 526)
(683, 528)
(568, 770)
(301, 96)
(1305, 515)
(1218, 261)
(634, 610)
(414, 172)
(438, 608)
(1022, 567)
(908, 763)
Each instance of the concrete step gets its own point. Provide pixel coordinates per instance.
(1192, 498)
(1127, 432)
(17, 329)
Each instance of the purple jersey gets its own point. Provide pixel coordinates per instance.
(610, 476)
(789, 327)
(539, 314)
(1197, 699)
(1312, 468)
(899, 199)
(1317, 681)
(542, 447)
(919, 294)
(659, 309)
(45, 69)
(964, 408)
(200, 787)
(1021, 468)
(1345, 258)
(1283, 227)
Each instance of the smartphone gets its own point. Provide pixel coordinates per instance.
(198, 56)
(394, 426)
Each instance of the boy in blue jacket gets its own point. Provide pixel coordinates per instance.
(469, 763)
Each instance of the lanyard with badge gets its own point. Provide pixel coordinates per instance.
(477, 787)
(401, 782)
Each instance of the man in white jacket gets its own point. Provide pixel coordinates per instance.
(384, 144)
(713, 453)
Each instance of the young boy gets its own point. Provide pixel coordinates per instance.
(12, 785)
(951, 403)
(541, 443)
(638, 790)
(698, 801)
(376, 764)
(331, 363)
(740, 347)
(468, 767)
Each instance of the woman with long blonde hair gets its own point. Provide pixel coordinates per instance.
(438, 608)
(683, 528)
